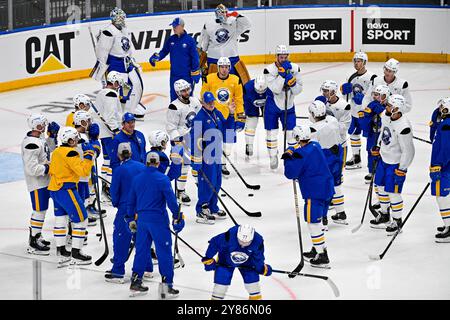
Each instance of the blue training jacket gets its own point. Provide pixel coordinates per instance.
(137, 142)
(122, 178)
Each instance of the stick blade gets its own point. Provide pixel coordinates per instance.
(102, 258)
(334, 287)
(374, 257)
(254, 214)
(254, 187)
(297, 269)
(355, 229)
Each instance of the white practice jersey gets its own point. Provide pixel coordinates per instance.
(107, 104)
(115, 42)
(398, 86)
(275, 83)
(221, 39)
(35, 155)
(326, 132)
(396, 141)
(180, 117)
(360, 83)
(341, 111)
(79, 148)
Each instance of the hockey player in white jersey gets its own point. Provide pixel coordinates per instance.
(36, 160)
(114, 53)
(355, 89)
(326, 131)
(396, 149)
(284, 82)
(108, 114)
(219, 38)
(180, 116)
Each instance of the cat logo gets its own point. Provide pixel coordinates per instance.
(51, 54)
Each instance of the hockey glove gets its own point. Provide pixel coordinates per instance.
(94, 131)
(360, 114)
(290, 80)
(133, 226)
(358, 98)
(399, 176)
(375, 151)
(239, 126)
(346, 88)
(375, 107)
(153, 59)
(178, 224)
(266, 271)
(210, 264)
(88, 151)
(435, 173)
(196, 75)
(287, 65)
(53, 129)
(321, 98)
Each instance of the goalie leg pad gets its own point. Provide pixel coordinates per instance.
(242, 72)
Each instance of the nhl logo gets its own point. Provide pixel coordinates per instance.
(222, 35)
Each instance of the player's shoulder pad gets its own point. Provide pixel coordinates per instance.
(445, 127)
(107, 33)
(347, 107)
(172, 107)
(111, 94)
(31, 146)
(406, 131)
(72, 153)
(313, 129)
(373, 77)
(405, 85)
(266, 71)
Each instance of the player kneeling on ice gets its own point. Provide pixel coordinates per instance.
(306, 163)
(122, 179)
(66, 168)
(207, 137)
(149, 195)
(240, 247)
(440, 169)
(396, 148)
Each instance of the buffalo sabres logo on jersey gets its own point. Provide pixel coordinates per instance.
(259, 103)
(222, 35)
(223, 94)
(357, 88)
(238, 257)
(386, 137)
(125, 43)
(189, 121)
(139, 140)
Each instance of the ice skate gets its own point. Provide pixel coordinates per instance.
(353, 163)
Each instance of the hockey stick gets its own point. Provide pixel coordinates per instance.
(423, 140)
(102, 224)
(251, 214)
(249, 186)
(301, 117)
(175, 249)
(297, 214)
(327, 279)
(285, 118)
(379, 257)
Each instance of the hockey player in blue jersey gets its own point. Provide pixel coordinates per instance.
(184, 59)
(131, 135)
(436, 118)
(255, 95)
(306, 163)
(120, 188)
(240, 247)
(158, 140)
(207, 137)
(149, 195)
(440, 169)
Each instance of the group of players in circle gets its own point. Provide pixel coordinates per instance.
(201, 132)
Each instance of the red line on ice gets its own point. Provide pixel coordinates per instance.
(285, 287)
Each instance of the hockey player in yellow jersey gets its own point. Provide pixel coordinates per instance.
(66, 168)
(81, 102)
(227, 89)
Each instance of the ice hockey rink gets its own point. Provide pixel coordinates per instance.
(415, 267)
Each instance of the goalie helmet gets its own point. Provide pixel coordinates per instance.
(281, 49)
(81, 116)
(317, 109)
(392, 64)
(245, 234)
(81, 98)
(360, 55)
(223, 61)
(397, 101)
(181, 85)
(113, 77)
(67, 133)
(329, 85)
(221, 13)
(158, 138)
(302, 132)
(118, 17)
(260, 84)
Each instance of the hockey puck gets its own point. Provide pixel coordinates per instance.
(250, 194)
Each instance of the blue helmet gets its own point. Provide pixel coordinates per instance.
(208, 97)
(127, 116)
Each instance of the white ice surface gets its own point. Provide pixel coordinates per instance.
(414, 267)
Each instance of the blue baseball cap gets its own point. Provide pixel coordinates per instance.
(176, 22)
(127, 116)
(208, 97)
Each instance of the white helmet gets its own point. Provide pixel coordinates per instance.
(281, 49)
(81, 116)
(302, 132)
(397, 101)
(260, 84)
(114, 76)
(81, 98)
(382, 89)
(157, 137)
(67, 133)
(361, 55)
(317, 109)
(329, 85)
(223, 61)
(118, 17)
(392, 65)
(245, 234)
(443, 104)
(181, 85)
(37, 119)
